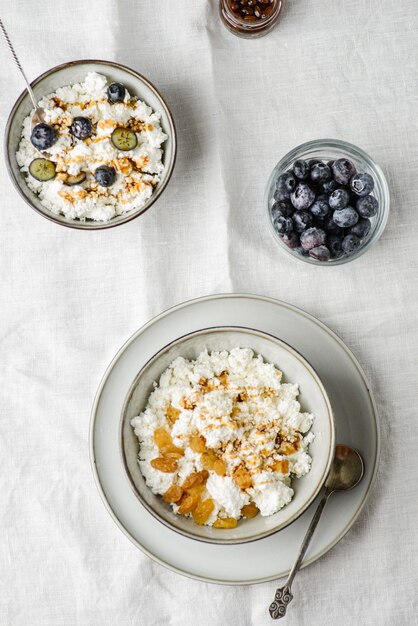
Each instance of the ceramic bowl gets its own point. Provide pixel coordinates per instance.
(313, 398)
(67, 74)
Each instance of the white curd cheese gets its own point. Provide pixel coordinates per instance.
(137, 171)
(234, 405)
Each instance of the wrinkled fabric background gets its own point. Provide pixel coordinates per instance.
(70, 299)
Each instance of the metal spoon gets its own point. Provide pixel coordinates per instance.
(39, 115)
(346, 472)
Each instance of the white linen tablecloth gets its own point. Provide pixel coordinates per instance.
(70, 299)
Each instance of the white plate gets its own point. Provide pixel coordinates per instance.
(356, 424)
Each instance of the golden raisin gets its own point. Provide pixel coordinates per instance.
(172, 414)
(219, 467)
(164, 465)
(189, 504)
(242, 477)
(197, 489)
(208, 459)
(225, 522)
(162, 437)
(173, 494)
(197, 443)
(203, 510)
(249, 510)
(171, 451)
(197, 478)
(281, 466)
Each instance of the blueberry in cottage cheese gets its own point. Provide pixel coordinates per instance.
(81, 127)
(77, 135)
(105, 175)
(43, 137)
(222, 437)
(116, 92)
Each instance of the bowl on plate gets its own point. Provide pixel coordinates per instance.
(67, 74)
(330, 150)
(313, 398)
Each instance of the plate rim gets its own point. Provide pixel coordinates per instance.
(167, 312)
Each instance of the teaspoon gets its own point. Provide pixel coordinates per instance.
(38, 116)
(346, 472)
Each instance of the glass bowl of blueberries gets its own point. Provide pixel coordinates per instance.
(327, 202)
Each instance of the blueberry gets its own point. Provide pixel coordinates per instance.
(334, 244)
(362, 184)
(330, 163)
(43, 136)
(330, 226)
(362, 228)
(290, 239)
(344, 218)
(343, 170)
(116, 92)
(328, 186)
(283, 225)
(320, 207)
(301, 251)
(301, 169)
(312, 238)
(320, 173)
(105, 175)
(350, 243)
(302, 197)
(339, 199)
(285, 184)
(313, 162)
(320, 253)
(282, 208)
(81, 127)
(367, 206)
(302, 220)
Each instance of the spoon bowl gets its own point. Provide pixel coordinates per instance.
(346, 471)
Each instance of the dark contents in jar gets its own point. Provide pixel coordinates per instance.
(252, 10)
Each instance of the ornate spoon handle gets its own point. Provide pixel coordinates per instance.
(12, 50)
(284, 595)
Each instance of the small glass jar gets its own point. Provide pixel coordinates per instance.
(249, 18)
(326, 150)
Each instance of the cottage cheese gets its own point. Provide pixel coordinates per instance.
(138, 170)
(231, 421)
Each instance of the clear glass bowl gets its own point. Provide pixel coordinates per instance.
(326, 150)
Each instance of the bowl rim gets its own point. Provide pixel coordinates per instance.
(78, 225)
(305, 362)
(294, 153)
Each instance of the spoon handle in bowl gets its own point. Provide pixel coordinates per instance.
(12, 50)
(283, 594)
